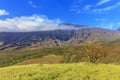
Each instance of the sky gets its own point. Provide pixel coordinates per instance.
(36, 15)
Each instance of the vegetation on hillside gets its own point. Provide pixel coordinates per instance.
(94, 52)
(9, 57)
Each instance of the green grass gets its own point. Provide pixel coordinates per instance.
(75, 71)
(11, 57)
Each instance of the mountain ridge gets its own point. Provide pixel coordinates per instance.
(57, 37)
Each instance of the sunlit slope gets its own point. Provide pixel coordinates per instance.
(77, 71)
(49, 59)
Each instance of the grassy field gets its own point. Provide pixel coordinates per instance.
(49, 59)
(75, 71)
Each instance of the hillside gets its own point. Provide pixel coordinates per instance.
(76, 71)
(49, 59)
(110, 53)
(78, 34)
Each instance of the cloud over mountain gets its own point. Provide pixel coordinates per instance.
(31, 23)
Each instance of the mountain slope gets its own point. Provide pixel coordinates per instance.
(94, 35)
(78, 34)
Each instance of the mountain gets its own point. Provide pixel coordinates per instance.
(75, 35)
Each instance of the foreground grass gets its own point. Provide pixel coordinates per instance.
(80, 71)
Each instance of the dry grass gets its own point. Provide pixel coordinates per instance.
(80, 71)
(50, 59)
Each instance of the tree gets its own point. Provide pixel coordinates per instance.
(94, 52)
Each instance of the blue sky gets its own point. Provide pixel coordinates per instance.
(99, 13)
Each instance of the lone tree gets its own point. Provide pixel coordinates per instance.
(94, 52)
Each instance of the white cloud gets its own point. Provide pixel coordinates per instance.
(3, 12)
(103, 2)
(87, 7)
(33, 4)
(28, 23)
(110, 25)
(101, 19)
(78, 7)
(108, 8)
(77, 1)
(31, 23)
(105, 26)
